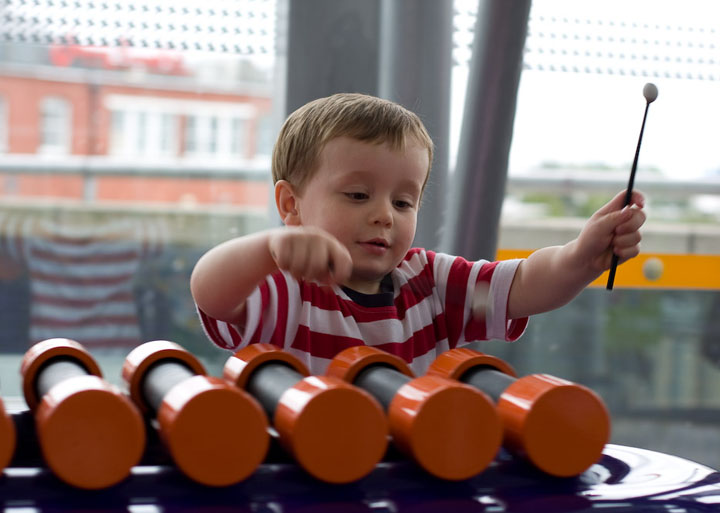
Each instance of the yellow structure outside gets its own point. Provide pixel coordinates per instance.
(700, 272)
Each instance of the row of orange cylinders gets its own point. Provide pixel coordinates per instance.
(337, 427)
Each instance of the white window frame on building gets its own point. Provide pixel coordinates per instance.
(212, 130)
(239, 132)
(143, 133)
(168, 143)
(55, 126)
(118, 133)
(4, 116)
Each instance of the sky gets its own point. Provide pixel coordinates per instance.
(581, 117)
(597, 119)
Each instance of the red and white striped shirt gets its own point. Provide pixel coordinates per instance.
(427, 312)
(82, 274)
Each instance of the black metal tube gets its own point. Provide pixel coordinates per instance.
(473, 221)
(160, 378)
(416, 59)
(489, 380)
(382, 382)
(56, 371)
(269, 382)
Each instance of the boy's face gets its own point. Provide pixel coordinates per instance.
(366, 195)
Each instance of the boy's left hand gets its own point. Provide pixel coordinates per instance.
(552, 276)
(613, 229)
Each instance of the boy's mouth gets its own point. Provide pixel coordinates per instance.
(375, 246)
(377, 242)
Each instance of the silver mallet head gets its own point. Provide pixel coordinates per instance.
(650, 92)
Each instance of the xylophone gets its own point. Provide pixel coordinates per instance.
(179, 440)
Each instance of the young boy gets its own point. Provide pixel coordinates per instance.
(349, 174)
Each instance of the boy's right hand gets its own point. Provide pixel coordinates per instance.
(311, 254)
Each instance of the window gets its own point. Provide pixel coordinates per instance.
(218, 137)
(3, 125)
(191, 142)
(181, 124)
(212, 136)
(265, 136)
(56, 126)
(147, 140)
(118, 130)
(144, 126)
(141, 131)
(238, 134)
(168, 146)
(651, 347)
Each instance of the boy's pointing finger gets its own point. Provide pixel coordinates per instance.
(340, 262)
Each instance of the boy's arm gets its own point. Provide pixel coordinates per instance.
(225, 276)
(552, 276)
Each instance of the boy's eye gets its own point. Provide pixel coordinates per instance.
(402, 204)
(356, 195)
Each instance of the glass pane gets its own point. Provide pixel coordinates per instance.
(650, 347)
(107, 198)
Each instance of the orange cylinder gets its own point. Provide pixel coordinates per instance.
(335, 431)
(451, 430)
(216, 434)
(8, 437)
(89, 433)
(559, 426)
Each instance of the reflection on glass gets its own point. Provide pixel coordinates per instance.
(122, 163)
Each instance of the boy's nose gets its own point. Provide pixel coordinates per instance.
(381, 214)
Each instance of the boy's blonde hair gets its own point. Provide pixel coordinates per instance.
(362, 117)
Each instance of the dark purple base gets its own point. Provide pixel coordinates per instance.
(624, 480)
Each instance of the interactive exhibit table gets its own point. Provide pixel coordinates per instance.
(470, 436)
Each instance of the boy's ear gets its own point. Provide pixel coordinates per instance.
(286, 203)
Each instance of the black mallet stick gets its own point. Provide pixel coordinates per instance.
(650, 92)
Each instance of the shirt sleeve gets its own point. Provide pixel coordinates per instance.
(497, 323)
(268, 314)
(456, 279)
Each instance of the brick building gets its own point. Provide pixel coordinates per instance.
(127, 124)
